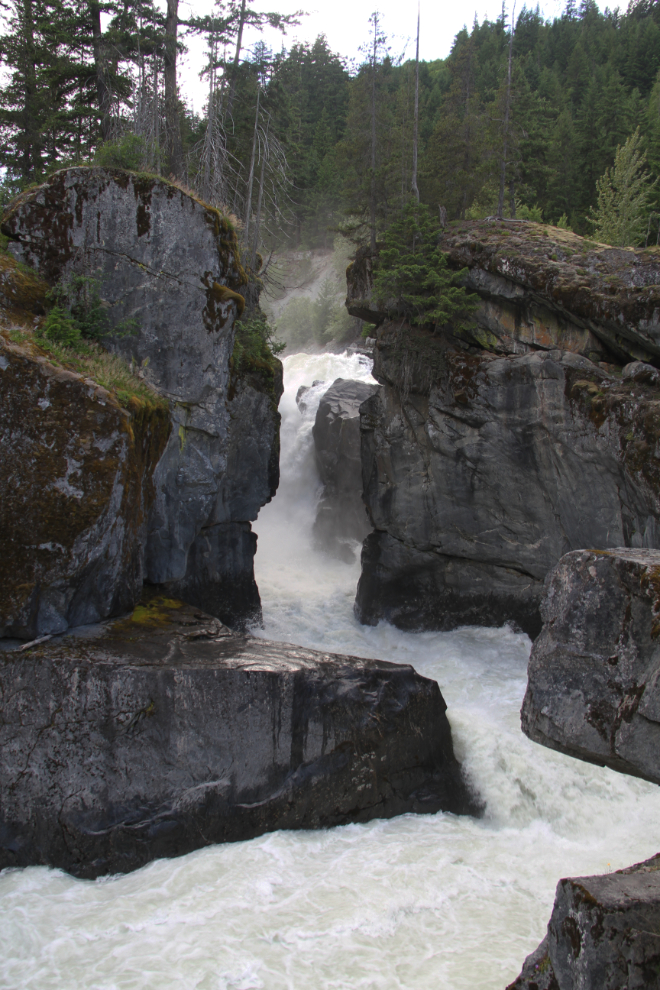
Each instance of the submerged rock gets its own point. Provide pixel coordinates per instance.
(481, 472)
(75, 488)
(169, 263)
(594, 673)
(602, 935)
(163, 732)
(341, 514)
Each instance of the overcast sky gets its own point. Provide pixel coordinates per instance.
(345, 23)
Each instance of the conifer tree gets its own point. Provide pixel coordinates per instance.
(624, 193)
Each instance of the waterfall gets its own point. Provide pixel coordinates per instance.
(415, 902)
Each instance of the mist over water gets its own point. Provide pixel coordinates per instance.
(434, 902)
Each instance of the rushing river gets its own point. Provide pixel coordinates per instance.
(431, 902)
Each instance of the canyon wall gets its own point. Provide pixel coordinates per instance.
(170, 264)
(491, 452)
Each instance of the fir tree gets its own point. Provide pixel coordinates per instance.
(624, 194)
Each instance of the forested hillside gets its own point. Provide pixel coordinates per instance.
(295, 146)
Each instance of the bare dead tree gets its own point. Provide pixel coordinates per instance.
(415, 190)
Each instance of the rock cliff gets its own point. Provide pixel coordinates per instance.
(75, 490)
(593, 680)
(163, 731)
(485, 459)
(170, 263)
(341, 515)
(602, 935)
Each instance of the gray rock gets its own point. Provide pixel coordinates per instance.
(163, 732)
(301, 394)
(604, 934)
(170, 263)
(593, 681)
(75, 487)
(481, 472)
(341, 513)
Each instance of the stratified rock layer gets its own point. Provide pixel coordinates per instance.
(164, 732)
(480, 472)
(170, 263)
(341, 514)
(75, 488)
(603, 934)
(543, 288)
(594, 672)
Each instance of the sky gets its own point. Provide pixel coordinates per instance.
(345, 24)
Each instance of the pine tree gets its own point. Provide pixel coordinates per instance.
(624, 194)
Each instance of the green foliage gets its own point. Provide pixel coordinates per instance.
(60, 328)
(563, 222)
(79, 311)
(534, 213)
(129, 151)
(624, 196)
(412, 274)
(255, 345)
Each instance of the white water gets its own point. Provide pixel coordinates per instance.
(415, 903)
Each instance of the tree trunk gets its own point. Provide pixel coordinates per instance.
(248, 207)
(31, 156)
(415, 190)
(237, 55)
(103, 91)
(372, 189)
(257, 221)
(507, 114)
(173, 125)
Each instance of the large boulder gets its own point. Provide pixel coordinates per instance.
(602, 935)
(75, 489)
(594, 672)
(163, 732)
(481, 472)
(170, 263)
(341, 514)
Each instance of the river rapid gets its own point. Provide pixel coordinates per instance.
(433, 902)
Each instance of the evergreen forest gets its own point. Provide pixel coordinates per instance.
(522, 119)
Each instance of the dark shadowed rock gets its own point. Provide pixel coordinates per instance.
(170, 263)
(604, 934)
(341, 514)
(481, 472)
(594, 673)
(75, 487)
(163, 732)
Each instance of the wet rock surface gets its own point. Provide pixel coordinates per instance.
(341, 514)
(594, 672)
(170, 263)
(603, 934)
(163, 732)
(75, 489)
(480, 472)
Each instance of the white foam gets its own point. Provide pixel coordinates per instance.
(418, 902)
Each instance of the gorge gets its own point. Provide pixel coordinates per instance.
(417, 900)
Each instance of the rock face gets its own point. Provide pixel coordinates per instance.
(75, 489)
(487, 458)
(170, 263)
(341, 513)
(488, 470)
(593, 680)
(544, 288)
(163, 732)
(603, 934)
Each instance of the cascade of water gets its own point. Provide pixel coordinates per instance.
(416, 902)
